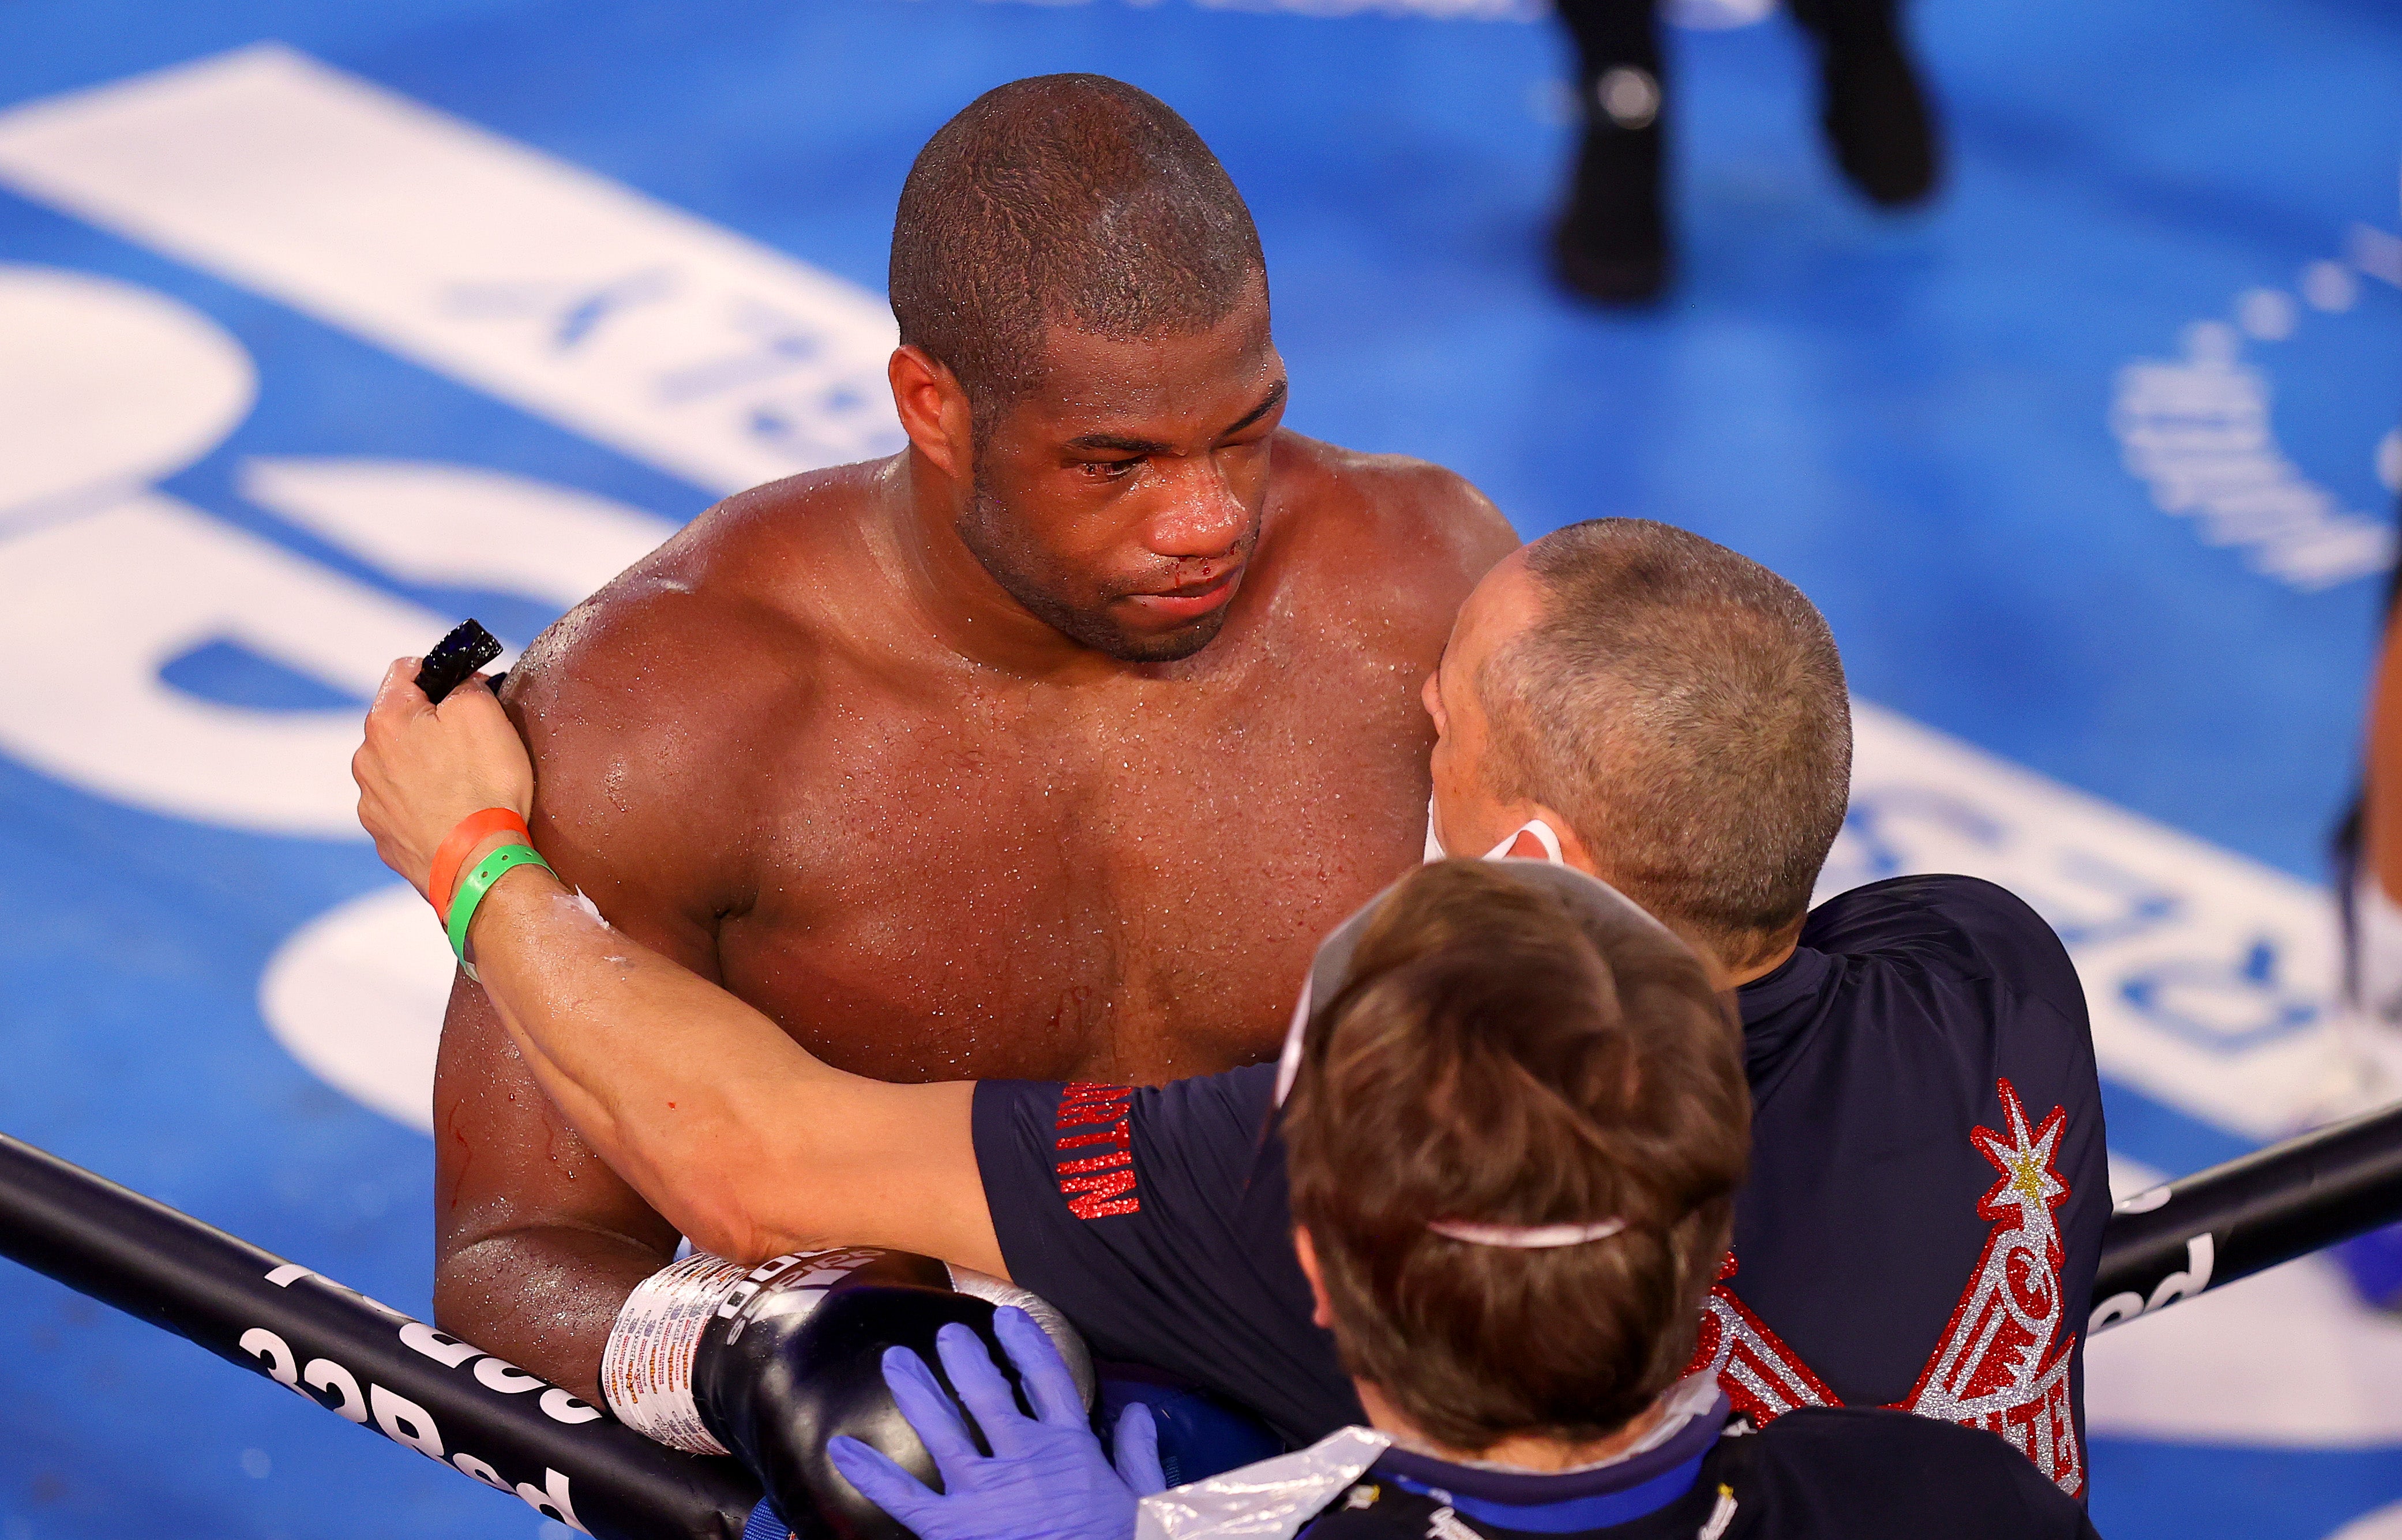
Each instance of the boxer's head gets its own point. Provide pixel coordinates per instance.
(1515, 1135)
(1085, 357)
(1676, 711)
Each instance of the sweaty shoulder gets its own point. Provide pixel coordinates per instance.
(686, 622)
(1880, 1472)
(1420, 523)
(635, 703)
(1965, 926)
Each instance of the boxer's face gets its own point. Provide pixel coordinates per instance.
(1468, 818)
(1120, 499)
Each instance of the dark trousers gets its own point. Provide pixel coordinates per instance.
(1611, 33)
(1615, 208)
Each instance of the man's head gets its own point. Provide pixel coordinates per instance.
(1085, 356)
(1675, 710)
(1509, 1053)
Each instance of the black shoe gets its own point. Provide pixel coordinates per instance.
(1611, 243)
(1606, 277)
(1878, 122)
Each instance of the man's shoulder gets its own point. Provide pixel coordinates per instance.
(1412, 511)
(635, 702)
(1205, 1131)
(1967, 923)
(1243, 1095)
(703, 621)
(1816, 1474)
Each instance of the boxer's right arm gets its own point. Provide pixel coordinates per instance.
(537, 1242)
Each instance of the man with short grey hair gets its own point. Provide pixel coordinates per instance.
(1650, 682)
(1925, 1210)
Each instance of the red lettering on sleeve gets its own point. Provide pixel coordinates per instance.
(1099, 1184)
(1114, 1134)
(1103, 1195)
(1092, 1103)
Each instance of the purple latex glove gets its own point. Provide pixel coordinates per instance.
(1046, 1479)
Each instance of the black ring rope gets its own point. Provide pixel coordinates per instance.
(2249, 1214)
(479, 1415)
(445, 1398)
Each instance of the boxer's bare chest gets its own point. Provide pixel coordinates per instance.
(1118, 881)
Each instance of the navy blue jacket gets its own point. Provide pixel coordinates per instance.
(1920, 1228)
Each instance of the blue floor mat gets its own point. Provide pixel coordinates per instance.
(1980, 436)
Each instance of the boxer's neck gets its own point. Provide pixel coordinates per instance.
(950, 595)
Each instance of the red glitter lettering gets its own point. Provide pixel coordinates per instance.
(1103, 1183)
(1092, 1109)
(1104, 1194)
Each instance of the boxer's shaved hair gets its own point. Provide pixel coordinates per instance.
(1064, 199)
(1684, 708)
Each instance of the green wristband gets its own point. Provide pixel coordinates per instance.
(473, 888)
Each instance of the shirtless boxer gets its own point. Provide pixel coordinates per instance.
(1046, 748)
(1924, 1209)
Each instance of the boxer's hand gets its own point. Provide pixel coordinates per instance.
(423, 767)
(1046, 1478)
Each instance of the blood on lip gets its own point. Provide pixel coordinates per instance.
(1191, 590)
(1191, 600)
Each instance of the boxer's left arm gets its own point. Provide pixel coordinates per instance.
(722, 1124)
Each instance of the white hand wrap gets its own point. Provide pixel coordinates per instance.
(646, 1369)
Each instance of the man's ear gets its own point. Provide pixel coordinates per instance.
(1321, 1317)
(1573, 851)
(934, 409)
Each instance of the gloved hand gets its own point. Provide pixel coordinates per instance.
(1046, 1478)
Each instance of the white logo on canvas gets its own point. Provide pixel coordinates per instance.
(679, 343)
(2198, 430)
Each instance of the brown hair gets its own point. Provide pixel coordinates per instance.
(1069, 200)
(1500, 1057)
(1684, 708)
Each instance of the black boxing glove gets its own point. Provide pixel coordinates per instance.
(771, 1362)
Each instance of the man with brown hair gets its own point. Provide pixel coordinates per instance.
(1516, 1128)
(1517, 1117)
(1675, 710)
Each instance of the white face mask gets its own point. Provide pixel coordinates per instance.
(1335, 954)
(1545, 835)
